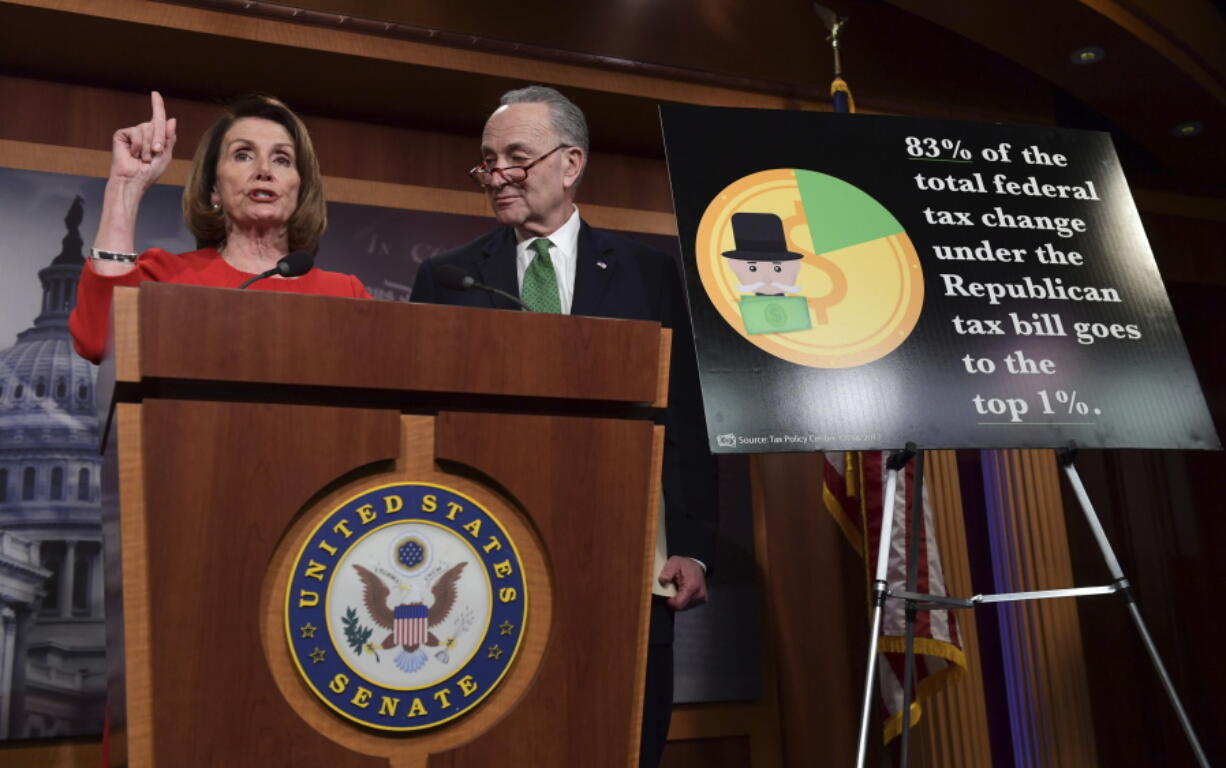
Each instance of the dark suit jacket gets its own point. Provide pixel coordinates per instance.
(635, 283)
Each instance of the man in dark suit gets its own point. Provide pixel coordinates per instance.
(534, 152)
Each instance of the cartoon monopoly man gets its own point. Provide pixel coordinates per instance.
(767, 271)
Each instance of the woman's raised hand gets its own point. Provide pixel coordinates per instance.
(142, 152)
(139, 157)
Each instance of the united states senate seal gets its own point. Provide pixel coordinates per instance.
(406, 606)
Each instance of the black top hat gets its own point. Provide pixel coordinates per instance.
(759, 237)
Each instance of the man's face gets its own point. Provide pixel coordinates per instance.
(518, 134)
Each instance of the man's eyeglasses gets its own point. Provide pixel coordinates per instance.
(512, 174)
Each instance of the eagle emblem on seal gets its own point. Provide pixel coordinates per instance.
(409, 622)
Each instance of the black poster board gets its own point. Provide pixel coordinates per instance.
(858, 281)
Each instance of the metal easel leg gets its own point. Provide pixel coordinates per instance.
(896, 463)
(917, 511)
(1067, 457)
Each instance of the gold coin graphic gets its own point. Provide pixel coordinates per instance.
(857, 292)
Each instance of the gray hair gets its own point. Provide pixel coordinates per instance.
(567, 119)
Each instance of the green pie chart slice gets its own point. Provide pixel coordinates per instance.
(840, 215)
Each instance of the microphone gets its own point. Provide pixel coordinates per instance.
(293, 265)
(452, 277)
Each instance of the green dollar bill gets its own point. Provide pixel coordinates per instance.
(775, 314)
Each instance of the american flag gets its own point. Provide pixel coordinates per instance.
(854, 487)
(410, 624)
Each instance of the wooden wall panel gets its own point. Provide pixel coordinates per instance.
(80, 116)
(955, 723)
(68, 754)
(67, 128)
(731, 752)
(747, 730)
(816, 611)
(167, 18)
(1043, 657)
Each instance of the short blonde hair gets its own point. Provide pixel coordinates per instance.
(310, 218)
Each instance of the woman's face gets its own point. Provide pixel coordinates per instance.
(257, 174)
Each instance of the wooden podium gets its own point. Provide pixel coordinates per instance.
(240, 420)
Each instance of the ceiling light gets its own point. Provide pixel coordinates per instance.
(1091, 54)
(1190, 128)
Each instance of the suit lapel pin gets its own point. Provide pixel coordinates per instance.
(602, 265)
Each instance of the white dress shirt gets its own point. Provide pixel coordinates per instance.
(565, 256)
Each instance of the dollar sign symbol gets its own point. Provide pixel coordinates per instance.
(776, 316)
(838, 281)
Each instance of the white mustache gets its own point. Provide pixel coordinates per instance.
(782, 287)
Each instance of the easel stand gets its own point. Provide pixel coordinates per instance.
(919, 602)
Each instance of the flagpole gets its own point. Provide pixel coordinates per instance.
(840, 94)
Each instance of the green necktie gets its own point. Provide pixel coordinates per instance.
(540, 289)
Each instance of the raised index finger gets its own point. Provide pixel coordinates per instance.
(159, 121)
